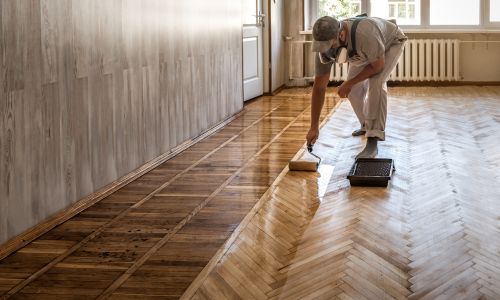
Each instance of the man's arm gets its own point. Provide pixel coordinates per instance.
(368, 71)
(317, 101)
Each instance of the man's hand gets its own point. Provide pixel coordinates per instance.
(368, 71)
(312, 135)
(344, 89)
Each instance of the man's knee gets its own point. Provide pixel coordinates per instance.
(378, 80)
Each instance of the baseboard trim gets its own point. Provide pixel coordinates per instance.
(36, 231)
(279, 89)
(441, 83)
(276, 91)
(417, 83)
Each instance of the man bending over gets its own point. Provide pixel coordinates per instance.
(372, 46)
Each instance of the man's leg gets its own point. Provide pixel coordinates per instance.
(376, 105)
(357, 98)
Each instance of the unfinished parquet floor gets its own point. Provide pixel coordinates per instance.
(434, 233)
(226, 220)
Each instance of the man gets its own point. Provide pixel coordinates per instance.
(378, 44)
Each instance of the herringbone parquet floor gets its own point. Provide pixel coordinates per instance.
(434, 233)
(225, 219)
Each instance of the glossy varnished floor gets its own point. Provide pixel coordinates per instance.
(153, 237)
(434, 233)
(227, 220)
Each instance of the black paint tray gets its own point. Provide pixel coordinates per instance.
(371, 172)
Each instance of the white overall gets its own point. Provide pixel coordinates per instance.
(369, 97)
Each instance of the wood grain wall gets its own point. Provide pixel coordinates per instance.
(91, 90)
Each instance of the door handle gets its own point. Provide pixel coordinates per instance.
(260, 18)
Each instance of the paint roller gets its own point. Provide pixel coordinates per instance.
(305, 165)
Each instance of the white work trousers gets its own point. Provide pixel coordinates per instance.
(369, 97)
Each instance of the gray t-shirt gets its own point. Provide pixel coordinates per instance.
(374, 36)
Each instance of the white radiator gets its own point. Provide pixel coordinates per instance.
(422, 60)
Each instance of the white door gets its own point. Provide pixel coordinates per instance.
(253, 68)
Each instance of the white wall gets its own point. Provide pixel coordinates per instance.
(479, 61)
(278, 44)
(479, 57)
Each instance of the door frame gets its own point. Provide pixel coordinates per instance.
(266, 49)
(266, 44)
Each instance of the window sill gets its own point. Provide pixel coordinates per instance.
(449, 30)
(424, 30)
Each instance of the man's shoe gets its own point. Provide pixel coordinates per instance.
(358, 132)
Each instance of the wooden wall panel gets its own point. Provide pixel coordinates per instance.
(91, 90)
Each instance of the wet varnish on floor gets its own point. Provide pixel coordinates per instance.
(226, 220)
(154, 236)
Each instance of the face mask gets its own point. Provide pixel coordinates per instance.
(333, 55)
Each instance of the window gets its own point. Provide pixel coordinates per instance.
(428, 14)
(402, 9)
(453, 12)
(406, 12)
(494, 10)
(339, 8)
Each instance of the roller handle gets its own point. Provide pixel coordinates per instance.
(310, 149)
